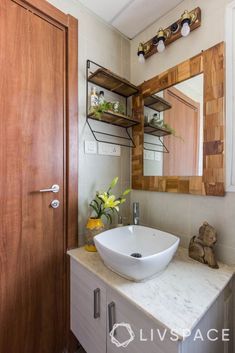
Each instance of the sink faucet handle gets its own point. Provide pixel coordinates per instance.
(136, 213)
(136, 207)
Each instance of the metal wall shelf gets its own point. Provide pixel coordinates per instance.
(157, 103)
(112, 82)
(115, 119)
(159, 132)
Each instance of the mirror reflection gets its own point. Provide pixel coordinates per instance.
(173, 130)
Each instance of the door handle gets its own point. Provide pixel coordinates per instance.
(96, 303)
(54, 188)
(112, 316)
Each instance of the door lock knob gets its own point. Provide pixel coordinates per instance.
(55, 203)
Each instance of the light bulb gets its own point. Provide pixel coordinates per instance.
(185, 30)
(160, 46)
(141, 58)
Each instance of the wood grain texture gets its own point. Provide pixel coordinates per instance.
(212, 63)
(72, 133)
(38, 138)
(185, 119)
(43, 7)
(114, 119)
(112, 82)
(72, 163)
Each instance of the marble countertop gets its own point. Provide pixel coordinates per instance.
(177, 298)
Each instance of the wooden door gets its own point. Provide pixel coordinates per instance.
(32, 157)
(184, 117)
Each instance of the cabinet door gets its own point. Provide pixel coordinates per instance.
(88, 309)
(228, 316)
(147, 332)
(218, 317)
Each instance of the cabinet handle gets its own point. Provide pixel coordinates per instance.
(112, 316)
(96, 303)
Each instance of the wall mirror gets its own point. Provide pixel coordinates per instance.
(180, 138)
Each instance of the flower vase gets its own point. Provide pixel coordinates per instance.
(94, 226)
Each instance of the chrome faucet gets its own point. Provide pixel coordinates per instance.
(136, 213)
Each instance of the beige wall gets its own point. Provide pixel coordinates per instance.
(103, 44)
(179, 214)
(183, 214)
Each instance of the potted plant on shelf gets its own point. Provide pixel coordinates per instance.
(101, 108)
(105, 205)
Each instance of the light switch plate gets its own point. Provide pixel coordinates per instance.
(157, 156)
(149, 155)
(90, 147)
(109, 149)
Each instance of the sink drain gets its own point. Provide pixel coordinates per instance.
(136, 254)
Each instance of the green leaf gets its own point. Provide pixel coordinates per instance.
(94, 208)
(96, 202)
(108, 217)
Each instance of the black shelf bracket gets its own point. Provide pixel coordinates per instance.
(160, 144)
(126, 138)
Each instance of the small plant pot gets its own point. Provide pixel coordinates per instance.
(94, 226)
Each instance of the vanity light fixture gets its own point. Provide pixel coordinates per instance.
(188, 21)
(142, 50)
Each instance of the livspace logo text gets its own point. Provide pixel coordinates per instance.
(155, 335)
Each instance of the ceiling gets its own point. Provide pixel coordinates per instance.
(130, 17)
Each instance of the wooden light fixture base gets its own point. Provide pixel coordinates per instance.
(152, 49)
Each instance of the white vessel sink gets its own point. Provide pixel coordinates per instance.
(120, 247)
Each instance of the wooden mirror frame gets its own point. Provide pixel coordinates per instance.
(212, 64)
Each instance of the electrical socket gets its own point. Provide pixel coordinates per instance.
(109, 149)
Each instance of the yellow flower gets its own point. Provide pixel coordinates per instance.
(109, 201)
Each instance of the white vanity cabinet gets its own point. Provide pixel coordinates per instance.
(97, 306)
(144, 328)
(88, 309)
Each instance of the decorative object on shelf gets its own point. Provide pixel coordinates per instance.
(201, 247)
(157, 122)
(94, 97)
(101, 97)
(106, 107)
(188, 21)
(100, 109)
(103, 205)
(105, 111)
(116, 107)
(157, 127)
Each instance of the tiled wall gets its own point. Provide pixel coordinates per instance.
(183, 214)
(107, 47)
